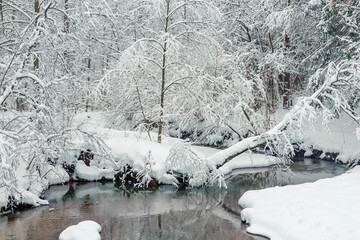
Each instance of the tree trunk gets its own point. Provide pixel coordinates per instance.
(271, 43)
(87, 92)
(143, 112)
(2, 17)
(37, 11)
(163, 73)
(224, 156)
(66, 19)
(286, 76)
(287, 90)
(66, 31)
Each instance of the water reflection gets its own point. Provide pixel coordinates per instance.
(162, 213)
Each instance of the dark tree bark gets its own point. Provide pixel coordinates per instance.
(163, 72)
(37, 11)
(2, 16)
(87, 93)
(66, 19)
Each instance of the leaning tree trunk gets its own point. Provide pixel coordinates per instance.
(224, 156)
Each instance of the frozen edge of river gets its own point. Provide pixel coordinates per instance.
(326, 209)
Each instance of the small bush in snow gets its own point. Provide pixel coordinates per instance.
(199, 172)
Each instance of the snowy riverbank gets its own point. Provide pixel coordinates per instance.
(149, 157)
(137, 150)
(126, 148)
(326, 209)
(338, 140)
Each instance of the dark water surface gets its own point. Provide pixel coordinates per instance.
(161, 213)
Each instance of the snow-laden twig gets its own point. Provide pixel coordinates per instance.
(198, 172)
(302, 110)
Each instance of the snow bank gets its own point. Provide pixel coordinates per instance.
(56, 175)
(85, 230)
(29, 188)
(341, 136)
(327, 209)
(137, 150)
(249, 160)
(32, 199)
(3, 197)
(92, 173)
(126, 147)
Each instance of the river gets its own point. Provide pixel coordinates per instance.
(159, 213)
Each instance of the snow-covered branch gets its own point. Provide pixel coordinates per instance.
(294, 118)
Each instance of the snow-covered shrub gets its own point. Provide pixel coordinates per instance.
(143, 177)
(199, 172)
(9, 193)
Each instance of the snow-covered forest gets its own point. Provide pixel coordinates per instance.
(137, 88)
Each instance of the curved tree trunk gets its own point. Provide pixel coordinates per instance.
(224, 156)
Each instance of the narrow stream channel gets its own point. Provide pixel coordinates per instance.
(162, 213)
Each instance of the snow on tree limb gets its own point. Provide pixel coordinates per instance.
(305, 106)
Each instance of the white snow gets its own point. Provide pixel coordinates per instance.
(341, 135)
(92, 173)
(32, 199)
(249, 160)
(85, 230)
(126, 147)
(137, 150)
(56, 175)
(168, 179)
(30, 189)
(3, 197)
(327, 209)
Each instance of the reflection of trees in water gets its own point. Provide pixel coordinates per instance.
(70, 194)
(195, 220)
(277, 176)
(125, 212)
(239, 184)
(129, 190)
(201, 197)
(194, 224)
(192, 211)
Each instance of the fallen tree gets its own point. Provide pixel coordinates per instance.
(339, 86)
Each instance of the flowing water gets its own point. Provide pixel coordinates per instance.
(161, 213)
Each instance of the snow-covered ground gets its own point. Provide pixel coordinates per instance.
(342, 135)
(249, 160)
(126, 147)
(85, 230)
(327, 209)
(340, 138)
(136, 149)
